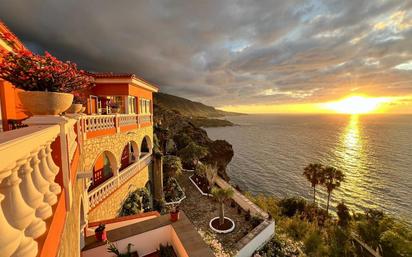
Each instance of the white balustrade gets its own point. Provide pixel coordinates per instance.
(97, 122)
(99, 193)
(102, 191)
(27, 187)
(145, 118)
(127, 119)
(128, 172)
(71, 138)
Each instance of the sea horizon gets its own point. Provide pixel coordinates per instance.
(286, 143)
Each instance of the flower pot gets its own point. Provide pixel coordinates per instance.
(101, 235)
(75, 108)
(174, 216)
(83, 109)
(115, 109)
(45, 103)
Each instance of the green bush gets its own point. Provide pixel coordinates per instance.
(297, 228)
(291, 206)
(314, 245)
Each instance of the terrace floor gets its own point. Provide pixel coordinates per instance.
(201, 209)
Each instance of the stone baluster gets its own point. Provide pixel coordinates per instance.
(30, 193)
(53, 167)
(19, 214)
(46, 172)
(40, 182)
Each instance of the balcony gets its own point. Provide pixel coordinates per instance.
(146, 233)
(37, 166)
(103, 190)
(99, 125)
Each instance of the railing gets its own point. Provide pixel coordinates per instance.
(91, 123)
(127, 119)
(128, 172)
(97, 122)
(99, 193)
(145, 118)
(27, 187)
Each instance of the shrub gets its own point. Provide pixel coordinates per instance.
(343, 215)
(166, 251)
(291, 206)
(32, 72)
(172, 166)
(314, 245)
(297, 228)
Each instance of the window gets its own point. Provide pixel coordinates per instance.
(144, 106)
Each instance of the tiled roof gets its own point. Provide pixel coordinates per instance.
(119, 75)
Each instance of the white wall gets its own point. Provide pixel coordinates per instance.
(144, 243)
(258, 241)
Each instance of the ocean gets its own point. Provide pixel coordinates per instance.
(373, 151)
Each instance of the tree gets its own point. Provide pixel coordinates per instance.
(221, 195)
(331, 179)
(211, 174)
(172, 165)
(192, 153)
(343, 214)
(313, 173)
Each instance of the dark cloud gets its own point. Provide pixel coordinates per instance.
(230, 52)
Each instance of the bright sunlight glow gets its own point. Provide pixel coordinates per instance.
(357, 104)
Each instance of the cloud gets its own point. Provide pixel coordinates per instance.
(231, 52)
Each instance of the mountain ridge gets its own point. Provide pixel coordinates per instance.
(188, 107)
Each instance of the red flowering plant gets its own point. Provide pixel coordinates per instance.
(8, 37)
(32, 72)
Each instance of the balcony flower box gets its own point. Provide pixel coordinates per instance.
(100, 233)
(46, 82)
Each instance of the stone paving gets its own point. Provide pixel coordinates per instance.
(201, 209)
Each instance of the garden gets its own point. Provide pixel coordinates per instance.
(305, 229)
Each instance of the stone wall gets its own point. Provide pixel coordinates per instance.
(70, 241)
(114, 144)
(110, 207)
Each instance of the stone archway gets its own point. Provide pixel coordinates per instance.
(130, 154)
(105, 166)
(146, 146)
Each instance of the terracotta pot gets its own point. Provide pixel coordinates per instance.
(83, 109)
(101, 235)
(115, 110)
(75, 108)
(174, 216)
(45, 103)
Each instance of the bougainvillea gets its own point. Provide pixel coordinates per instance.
(8, 38)
(32, 72)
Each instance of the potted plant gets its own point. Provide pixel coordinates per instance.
(112, 248)
(100, 233)
(46, 81)
(114, 107)
(77, 104)
(174, 213)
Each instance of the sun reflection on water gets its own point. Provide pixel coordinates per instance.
(352, 158)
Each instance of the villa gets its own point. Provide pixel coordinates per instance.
(62, 176)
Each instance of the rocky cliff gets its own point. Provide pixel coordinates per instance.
(170, 124)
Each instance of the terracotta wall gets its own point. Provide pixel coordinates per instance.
(11, 106)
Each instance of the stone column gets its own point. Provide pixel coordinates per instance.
(158, 177)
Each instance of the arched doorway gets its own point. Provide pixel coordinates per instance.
(130, 154)
(145, 147)
(103, 169)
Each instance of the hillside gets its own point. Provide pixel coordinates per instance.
(187, 107)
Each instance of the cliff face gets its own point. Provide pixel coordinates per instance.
(171, 124)
(187, 107)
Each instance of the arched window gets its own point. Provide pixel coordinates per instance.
(102, 170)
(145, 147)
(129, 155)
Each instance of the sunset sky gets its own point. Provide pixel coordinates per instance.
(238, 55)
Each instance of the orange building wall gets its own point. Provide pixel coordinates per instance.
(11, 106)
(110, 89)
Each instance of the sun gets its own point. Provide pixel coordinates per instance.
(357, 104)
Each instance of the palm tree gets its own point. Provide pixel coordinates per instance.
(221, 195)
(331, 179)
(313, 173)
